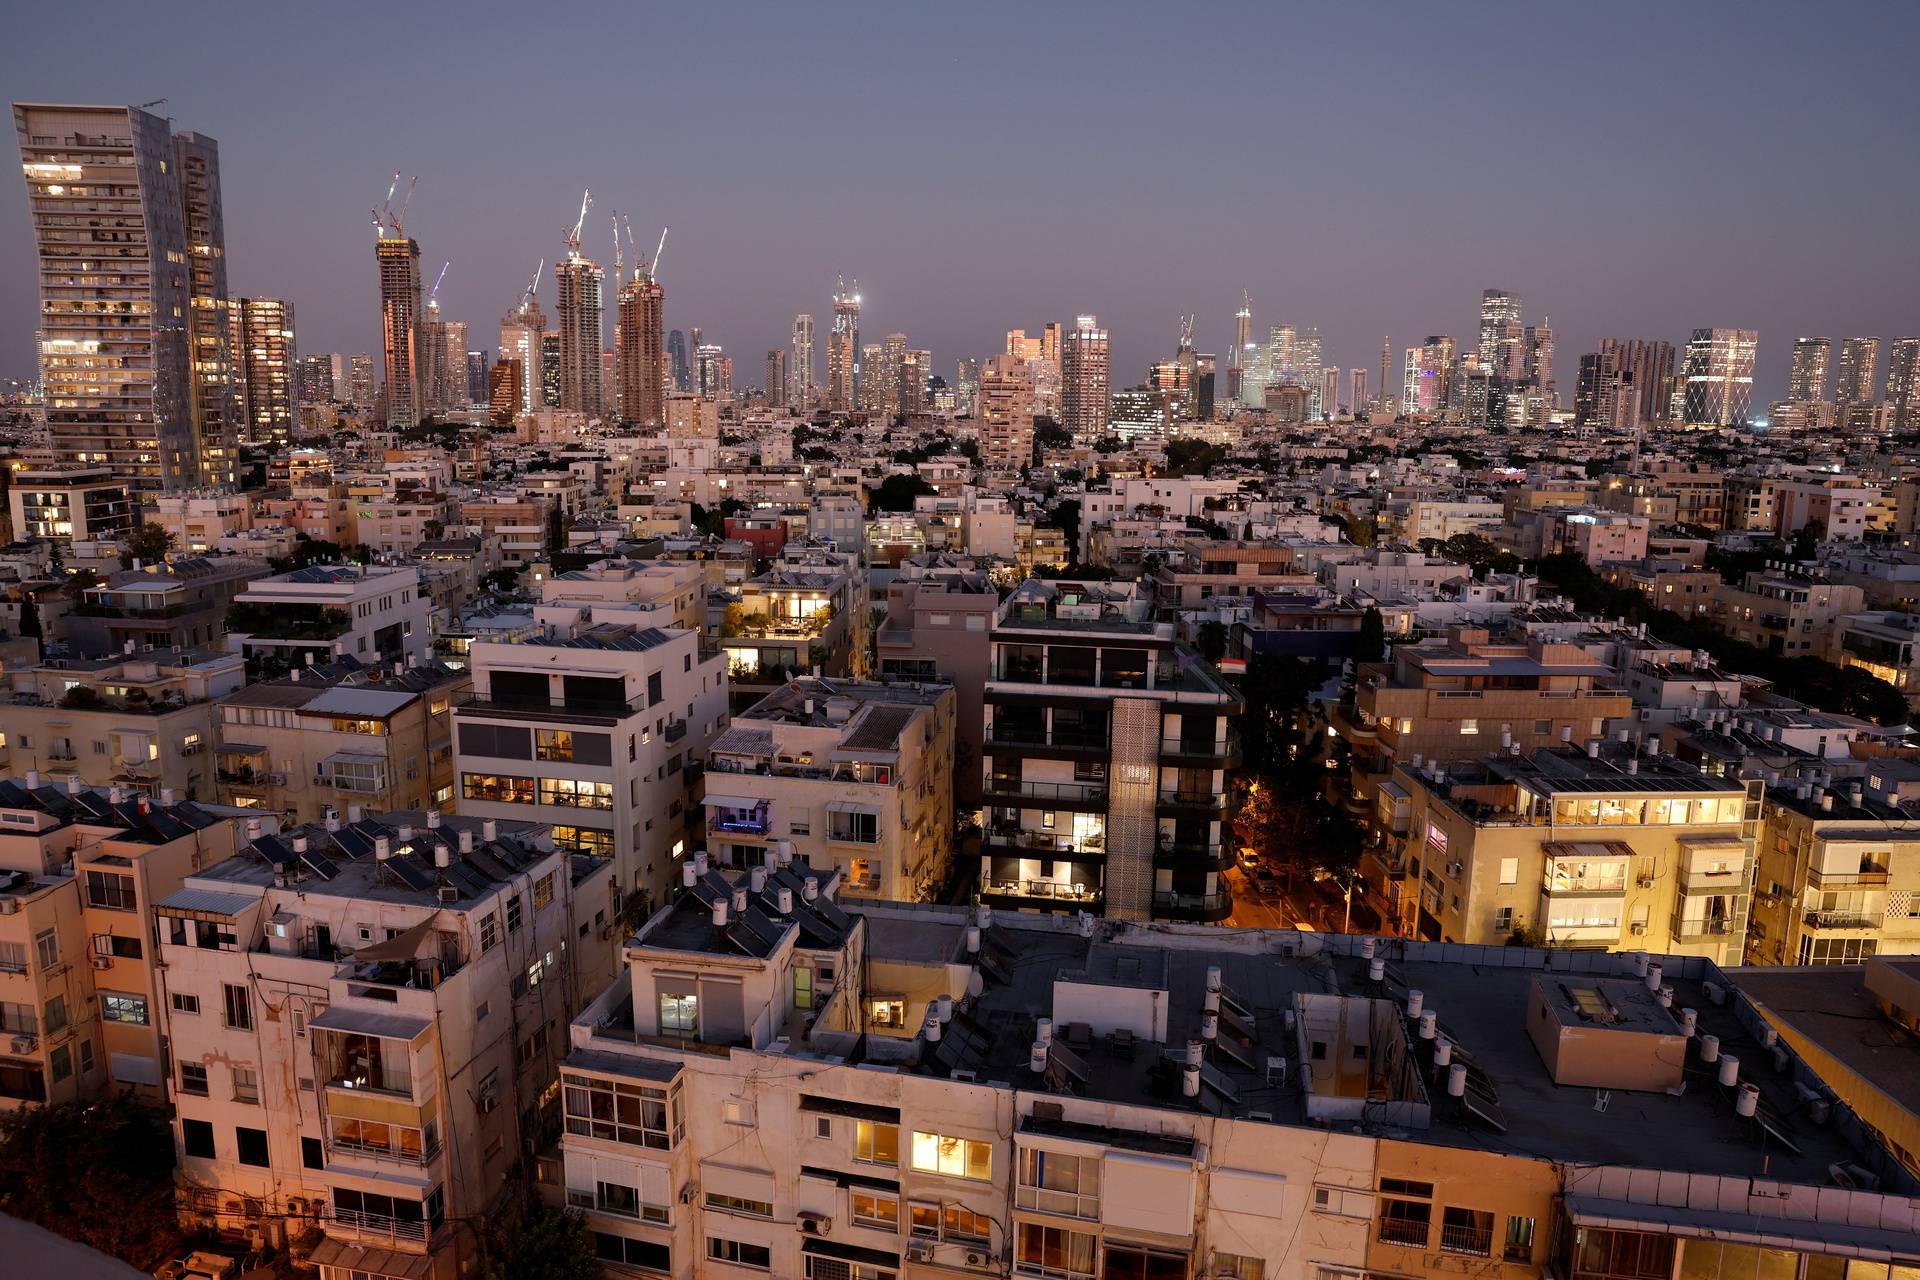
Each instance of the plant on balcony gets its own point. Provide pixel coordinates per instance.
(533, 1240)
(113, 1157)
(148, 545)
(82, 698)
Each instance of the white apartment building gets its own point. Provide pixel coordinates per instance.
(364, 1021)
(593, 735)
(853, 775)
(372, 613)
(952, 1094)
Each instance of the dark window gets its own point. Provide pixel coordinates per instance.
(634, 1253)
(196, 1138)
(654, 690)
(253, 1146)
(312, 1154)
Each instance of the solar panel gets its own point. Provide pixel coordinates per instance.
(1233, 1004)
(1242, 1027)
(991, 966)
(1232, 1048)
(1214, 1080)
(1486, 1110)
(353, 842)
(274, 850)
(409, 873)
(319, 864)
(469, 879)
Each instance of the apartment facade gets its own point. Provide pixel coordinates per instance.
(1074, 1107)
(592, 732)
(853, 775)
(1106, 744)
(370, 613)
(939, 615)
(364, 1021)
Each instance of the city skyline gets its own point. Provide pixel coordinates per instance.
(1082, 239)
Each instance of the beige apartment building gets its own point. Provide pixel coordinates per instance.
(852, 775)
(80, 998)
(1607, 848)
(339, 736)
(1839, 869)
(940, 612)
(1785, 611)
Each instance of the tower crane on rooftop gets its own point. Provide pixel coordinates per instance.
(573, 232)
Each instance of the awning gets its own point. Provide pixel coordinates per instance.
(735, 802)
(849, 806)
(381, 1262)
(404, 945)
(240, 749)
(354, 757)
(846, 1107)
(849, 1252)
(1800, 1235)
(364, 1022)
(193, 903)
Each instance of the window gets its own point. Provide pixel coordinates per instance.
(614, 1197)
(873, 1209)
(119, 1006)
(574, 793)
(238, 1012)
(193, 1079)
(679, 1015)
(253, 1146)
(953, 1157)
(110, 891)
(246, 1085)
(1467, 1231)
(1469, 727)
(489, 931)
(515, 912)
(739, 1204)
(1519, 1240)
(61, 1062)
(1405, 1222)
(313, 1154)
(553, 744)
(196, 1138)
(1051, 1182)
(737, 1111)
(887, 1012)
(1053, 1251)
(543, 892)
(962, 1225)
(55, 1016)
(1138, 1262)
(1238, 1266)
(46, 948)
(644, 1254)
(740, 1254)
(498, 788)
(181, 1002)
(821, 1267)
(822, 1127)
(635, 1114)
(876, 1143)
(126, 948)
(1503, 920)
(1509, 871)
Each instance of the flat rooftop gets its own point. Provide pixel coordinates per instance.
(1831, 1006)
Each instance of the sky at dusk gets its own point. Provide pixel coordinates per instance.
(1632, 170)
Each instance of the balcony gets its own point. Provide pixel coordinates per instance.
(1213, 754)
(1193, 906)
(378, 1226)
(1475, 1240)
(1050, 892)
(1005, 837)
(1063, 795)
(1702, 930)
(1397, 1231)
(1188, 802)
(1863, 877)
(1020, 738)
(1845, 919)
(602, 711)
(386, 1151)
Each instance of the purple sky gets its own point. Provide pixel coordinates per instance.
(1631, 170)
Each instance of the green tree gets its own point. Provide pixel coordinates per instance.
(30, 617)
(149, 544)
(82, 698)
(635, 911)
(897, 492)
(534, 1240)
(1373, 635)
(114, 1157)
(1211, 640)
(1048, 434)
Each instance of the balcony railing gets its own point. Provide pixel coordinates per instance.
(1199, 903)
(1865, 876)
(1189, 798)
(486, 704)
(1475, 1240)
(1065, 1204)
(1050, 889)
(1068, 791)
(1689, 930)
(1194, 747)
(384, 1151)
(381, 1224)
(1020, 736)
(1395, 1231)
(1845, 919)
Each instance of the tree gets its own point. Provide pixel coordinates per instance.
(1212, 640)
(30, 617)
(734, 620)
(897, 492)
(1065, 516)
(1373, 635)
(114, 1156)
(82, 698)
(534, 1240)
(635, 911)
(148, 544)
(1048, 434)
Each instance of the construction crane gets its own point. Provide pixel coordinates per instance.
(573, 232)
(400, 221)
(533, 286)
(435, 291)
(619, 259)
(654, 271)
(1186, 333)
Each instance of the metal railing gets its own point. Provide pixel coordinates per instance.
(1475, 1240)
(1047, 790)
(1167, 901)
(1399, 1231)
(385, 1151)
(1042, 889)
(382, 1224)
(1845, 919)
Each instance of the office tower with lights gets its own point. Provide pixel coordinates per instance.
(1006, 413)
(579, 280)
(399, 260)
(1807, 374)
(1717, 381)
(1903, 384)
(800, 372)
(1439, 357)
(775, 388)
(1538, 368)
(316, 379)
(550, 369)
(1500, 326)
(437, 361)
(843, 352)
(1306, 366)
(134, 355)
(522, 334)
(966, 383)
(266, 357)
(1330, 391)
(637, 349)
(476, 377)
(1205, 370)
(342, 379)
(360, 386)
(1357, 390)
(1237, 358)
(1280, 365)
(1604, 397)
(1085, 380)
(1856, 375)
(1648, 367)
(713, 370)
(682, 368)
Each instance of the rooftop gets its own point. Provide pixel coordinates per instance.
(1833, 1007)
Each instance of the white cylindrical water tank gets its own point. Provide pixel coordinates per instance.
(1190, 1080)
(490, 830)
(1196, 1052)
(930, 1029)
(686, 873)
(1709, 1048)
(810, 890)
(442, 856)
(1043, 1030)
(1654, 975)
(382, 849)
(1037, 1058)
(784, 897)
(1747, 1101)
(1209, 1026)
(1367, 947)
(984, 917)
(739, 896)
(720, 913)
(1416, 1001)
(1429, 1025)
(1640, 962)
(1666, 995)
(1377, 969)
(1210, 1001)
(758, 879)
(466, 841)
(700, 864)
(1214, 982)
(943, 1009)
(1689, 1019)
(1442, 1052)
(1729, 1070)
(973, 935)
(1457, 1080)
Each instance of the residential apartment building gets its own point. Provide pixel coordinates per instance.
(1106, 747)
(80, 994)
(1608, 848)
(144, 721)
(1785, 611)
(1002, 1093)
(592, 732)
(364, 1022)
(339, 735)
(805, 613)
(659, 593)
(71, 503)
(1839, 870)
(198, 521)
(371, 613)
(852, 775)
(177, 604)
(940, 612)
(1198, 573)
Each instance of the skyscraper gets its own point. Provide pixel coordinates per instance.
(134, 361)
(677, 358)
(800, 375)
(1719, 377)
(1386, 366)
(1357, 390)
(437, 362)
(1807, 375)
(1006, 413)
(775, 388)
(636, 342)
(550, 368)
(360, 381)
(1648, 368)
(1903, 384)
(1501, 333)
(316, 379)
(266, 357)
(476, 377)
(1242, 339)
(843, 351)
(714, 370)
(1330, 391)
(399, 259)
(1604, 397)
(581, 297)
(1539, 362)
(1438, 357)
(1857, 374)
(1085, 380)
(1306, 364)
(522, 333)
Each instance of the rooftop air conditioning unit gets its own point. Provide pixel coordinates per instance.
(815, 1224)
